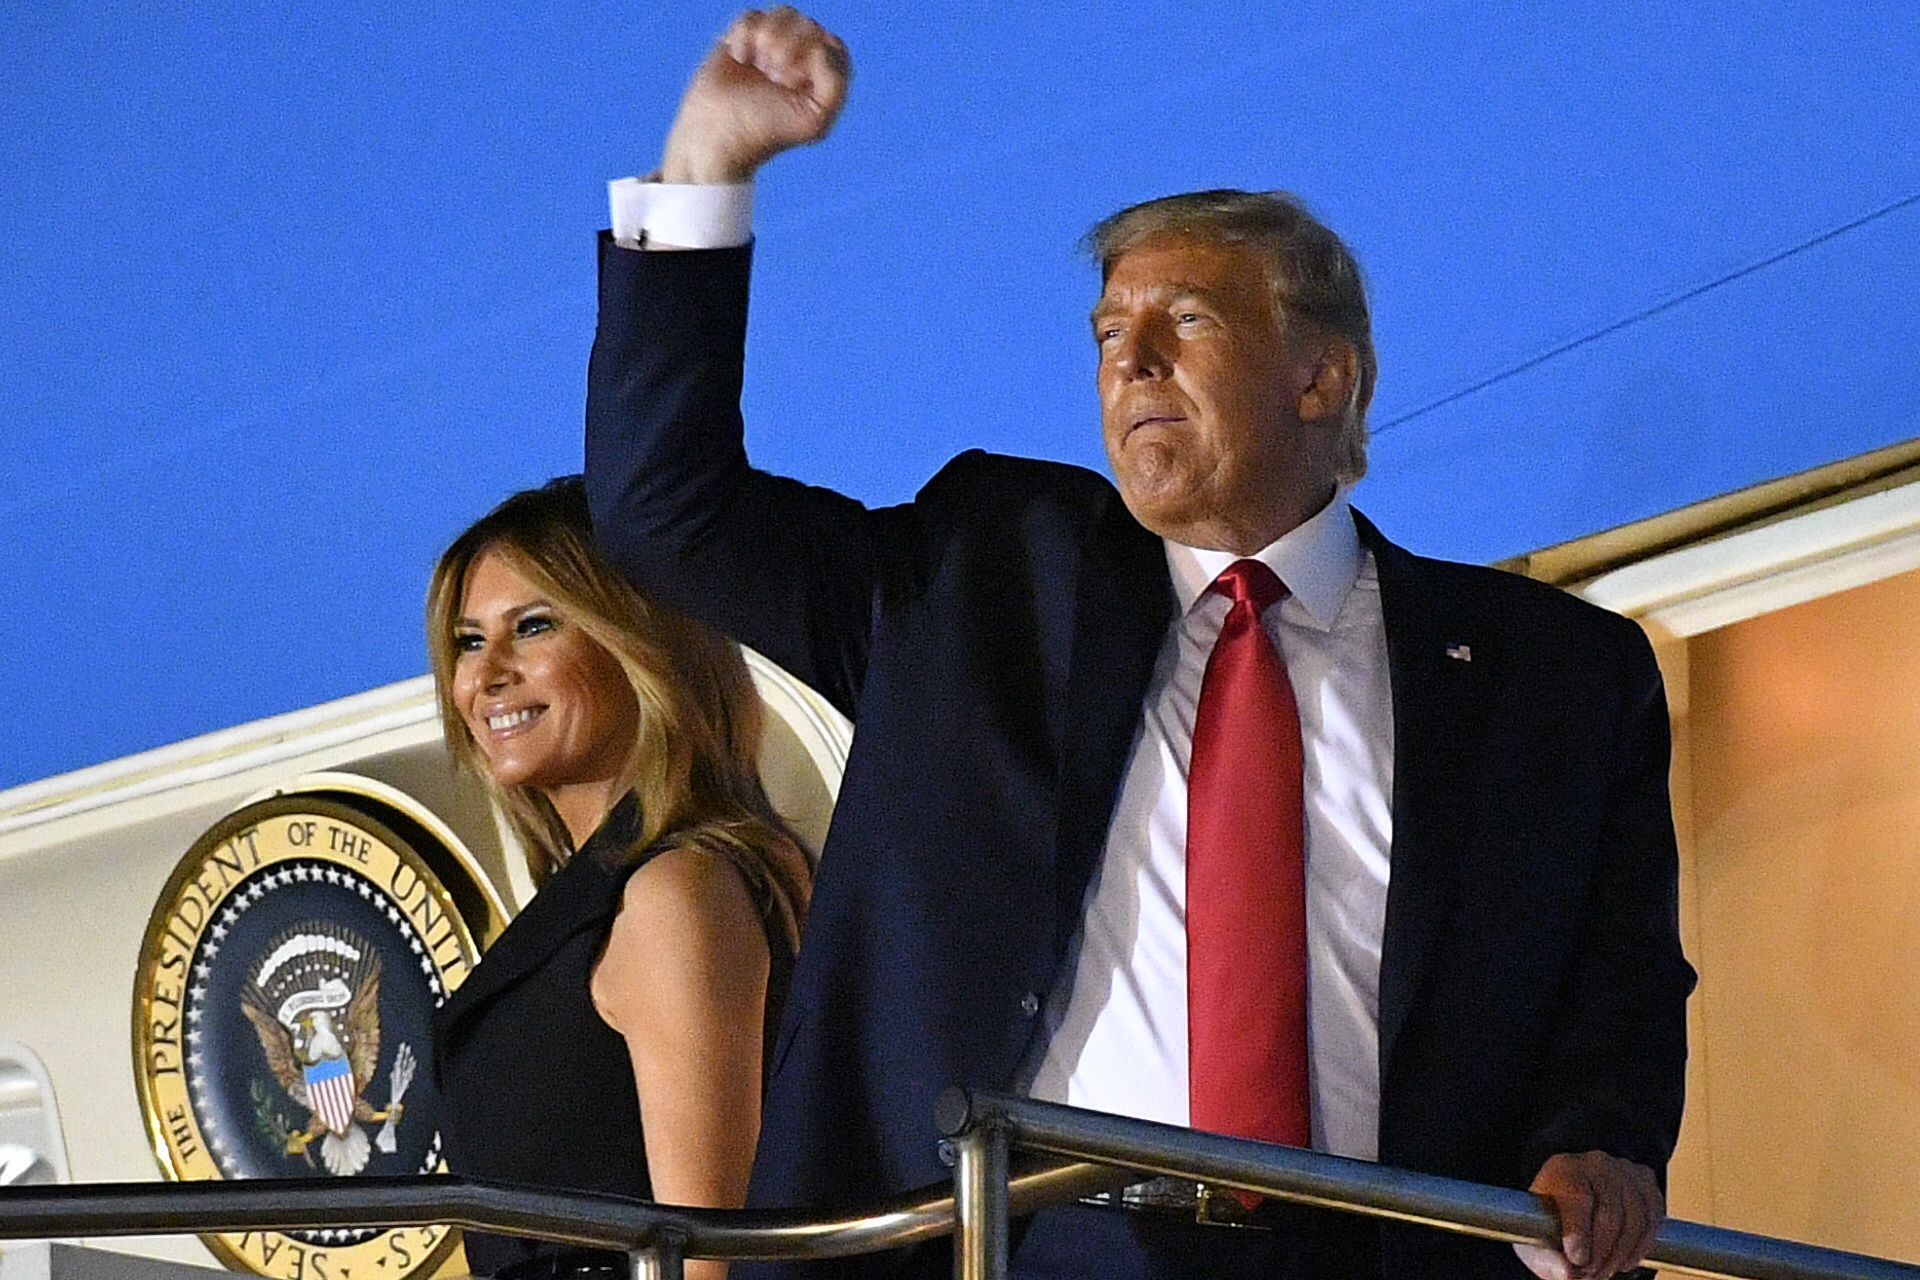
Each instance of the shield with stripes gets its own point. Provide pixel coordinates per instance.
(330, 1087)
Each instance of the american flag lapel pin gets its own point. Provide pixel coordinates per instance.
(1460, 652)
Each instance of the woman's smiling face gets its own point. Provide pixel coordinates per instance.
(548, 706)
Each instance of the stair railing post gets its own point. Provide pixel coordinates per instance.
(662, 1258)
(980, 1203)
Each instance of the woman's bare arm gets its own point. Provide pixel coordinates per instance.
(684, 979)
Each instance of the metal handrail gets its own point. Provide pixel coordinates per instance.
(988, 1129)
(577, 1218)
(985, 1127)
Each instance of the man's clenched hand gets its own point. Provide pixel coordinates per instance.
(775, 80)
(1609, 1209)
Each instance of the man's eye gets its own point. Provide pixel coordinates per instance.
(1188, 317)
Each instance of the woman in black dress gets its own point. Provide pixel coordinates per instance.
(612, 1038)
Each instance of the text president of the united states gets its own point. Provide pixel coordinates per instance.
(1195, 799)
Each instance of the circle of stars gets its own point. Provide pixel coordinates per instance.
(249, 893)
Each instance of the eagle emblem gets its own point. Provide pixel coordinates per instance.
(315, 1005)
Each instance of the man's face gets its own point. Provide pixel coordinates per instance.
(1202, 397)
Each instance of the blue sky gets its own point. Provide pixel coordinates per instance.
(296, 291)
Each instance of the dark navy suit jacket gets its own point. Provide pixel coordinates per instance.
(992, 641)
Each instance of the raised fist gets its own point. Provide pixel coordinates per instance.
(775, 80)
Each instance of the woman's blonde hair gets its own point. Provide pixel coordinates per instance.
(694, 763)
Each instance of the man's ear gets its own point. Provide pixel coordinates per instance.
(1333, 369)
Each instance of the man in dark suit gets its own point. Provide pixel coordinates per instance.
(1447, 824)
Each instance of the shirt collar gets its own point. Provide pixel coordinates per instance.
(1319, 561)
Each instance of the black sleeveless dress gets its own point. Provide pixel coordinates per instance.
(536, 1089)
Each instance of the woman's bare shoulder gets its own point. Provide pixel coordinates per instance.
(688, 927)
(688, 876)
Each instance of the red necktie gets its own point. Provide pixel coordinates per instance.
(1246, 883)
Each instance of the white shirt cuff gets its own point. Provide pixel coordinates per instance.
(683, 215)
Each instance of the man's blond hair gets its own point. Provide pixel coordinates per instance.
(1315, 280)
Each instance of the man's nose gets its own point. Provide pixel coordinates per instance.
(1141, 352)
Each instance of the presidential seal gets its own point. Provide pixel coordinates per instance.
(283, 1016)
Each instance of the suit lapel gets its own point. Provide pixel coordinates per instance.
(581, 895)
(1439, 718)
(1123, 602)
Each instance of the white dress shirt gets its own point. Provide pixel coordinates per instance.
(683, 215)
(1116, 1027)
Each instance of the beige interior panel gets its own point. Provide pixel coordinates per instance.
(1798, 792)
